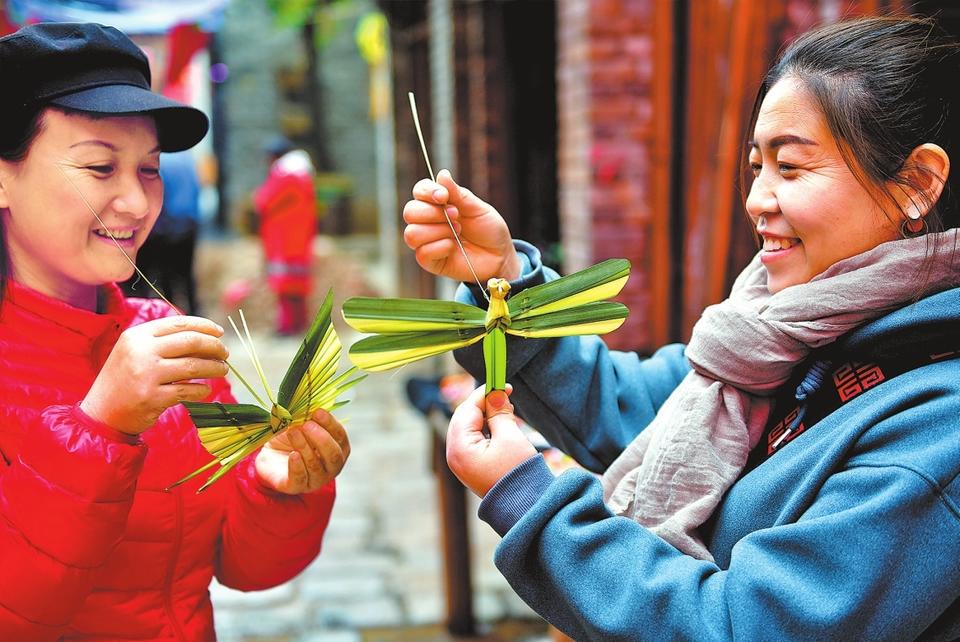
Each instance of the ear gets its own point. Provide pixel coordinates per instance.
(926, 170)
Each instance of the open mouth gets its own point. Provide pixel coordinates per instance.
(120, 235)
(778, 244)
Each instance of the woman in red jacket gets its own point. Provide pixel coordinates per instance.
(92, 546)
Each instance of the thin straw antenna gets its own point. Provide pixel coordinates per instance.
(252, 356)
(143, 276)
(255, 358)
(426, 157)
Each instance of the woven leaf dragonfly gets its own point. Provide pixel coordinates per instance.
(406, 330)
(230, 432)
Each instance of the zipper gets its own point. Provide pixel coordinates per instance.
(175, 554)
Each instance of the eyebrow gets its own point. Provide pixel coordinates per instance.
(110, 146)
(786, 139)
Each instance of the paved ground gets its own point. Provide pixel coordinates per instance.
(379, 577)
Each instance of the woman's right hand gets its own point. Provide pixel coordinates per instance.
(482, 231)
(150, 369)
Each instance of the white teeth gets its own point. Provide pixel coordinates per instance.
(119, 235)
(772, 245)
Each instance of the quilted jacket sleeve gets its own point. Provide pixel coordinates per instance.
(64, 502)
(268, 537)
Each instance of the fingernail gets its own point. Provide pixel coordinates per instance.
(439, 196)
(497, 399)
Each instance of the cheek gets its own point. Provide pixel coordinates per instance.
(845, 233)
(155, 196)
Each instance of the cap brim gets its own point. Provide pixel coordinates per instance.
(179, 126)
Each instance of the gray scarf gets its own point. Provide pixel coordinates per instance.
(671, 477)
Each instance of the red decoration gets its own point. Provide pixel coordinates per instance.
(183, 41)
(6, 27)
(853, 378)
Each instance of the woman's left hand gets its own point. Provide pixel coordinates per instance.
(306, 457)
(479, 460)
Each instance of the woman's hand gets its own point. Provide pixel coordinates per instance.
(478, 460)
(482, 230)
(152, 367)
(306, 457)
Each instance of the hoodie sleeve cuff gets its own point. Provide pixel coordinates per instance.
(531, 273)
(515, 493)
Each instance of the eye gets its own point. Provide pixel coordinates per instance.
(755, 169)
(785, 169)
(152, 172)
(101, 169)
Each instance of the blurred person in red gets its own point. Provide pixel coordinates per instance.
(287, 206)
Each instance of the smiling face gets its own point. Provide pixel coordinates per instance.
(55, 243)
(806, 203)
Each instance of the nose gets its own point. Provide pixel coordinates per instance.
(133, 198)
(761, 199)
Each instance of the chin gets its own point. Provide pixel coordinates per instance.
(120, 275)
(775, 285)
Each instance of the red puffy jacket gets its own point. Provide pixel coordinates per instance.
(91, 545)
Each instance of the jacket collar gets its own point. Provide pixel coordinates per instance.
(71, 329)
(931, 324)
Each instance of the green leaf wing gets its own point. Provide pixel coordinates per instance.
(232, 415)
(590, 318)
(386, 351)
(601, 281)
(313, 395)
(318, 386)
(320, 330)
(388, 316)
(229, 432)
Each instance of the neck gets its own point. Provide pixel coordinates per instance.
(85, 297)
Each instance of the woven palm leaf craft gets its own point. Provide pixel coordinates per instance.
(230, 432)
(406, 330)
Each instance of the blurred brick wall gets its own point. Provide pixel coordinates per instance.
(611, 150)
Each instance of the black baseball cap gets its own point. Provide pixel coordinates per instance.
(90, 68)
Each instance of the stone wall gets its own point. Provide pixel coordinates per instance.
(260, 98)
(253, 51)
(607, 147)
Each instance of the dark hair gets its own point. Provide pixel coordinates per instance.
(885, 86)
(19, 132)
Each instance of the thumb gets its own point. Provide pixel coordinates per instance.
(499, 413)
(445, 178)
(458, 195)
